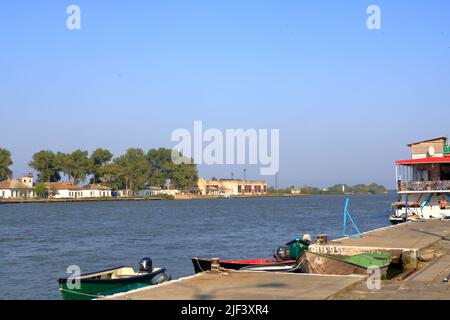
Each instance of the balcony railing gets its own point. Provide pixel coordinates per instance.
(425, 185)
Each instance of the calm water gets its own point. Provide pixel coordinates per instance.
(39, 241)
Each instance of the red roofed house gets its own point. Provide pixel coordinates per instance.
(61, 190)
(64, 190)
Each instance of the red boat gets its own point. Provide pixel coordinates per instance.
(202, 265)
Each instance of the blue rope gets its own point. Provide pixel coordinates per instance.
(426, 201)
(347, 214)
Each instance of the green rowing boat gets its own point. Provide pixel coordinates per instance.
(367, 260)
(109, 282)
(318, 263)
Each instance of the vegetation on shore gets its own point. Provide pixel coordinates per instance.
(372, 188)
(5, 163)
(136, 169)
(131, 171)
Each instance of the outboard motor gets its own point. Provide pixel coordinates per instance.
(282, 253)
(146, 265)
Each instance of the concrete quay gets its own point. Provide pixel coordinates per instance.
(421, 248)
(245, 285)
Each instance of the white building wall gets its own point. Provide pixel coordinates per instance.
(94, 193)
(67, 194)
(12, 193)
(5, 193)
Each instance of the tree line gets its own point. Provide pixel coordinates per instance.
(372, 188)
(131, 171)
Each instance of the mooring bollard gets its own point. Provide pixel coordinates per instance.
(322, 239)
(215, 265)
(409, 259)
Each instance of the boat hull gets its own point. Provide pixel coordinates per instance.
(315, 263)
(94, 288)
(204, 265)
(396, 220)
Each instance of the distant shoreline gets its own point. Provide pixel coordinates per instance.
(177, 198)
(67, 200)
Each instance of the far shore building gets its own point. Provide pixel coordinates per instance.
(155, 191)
(296, 191)
(18, 188)
(64, 190)
(96, 191)
(232, 187)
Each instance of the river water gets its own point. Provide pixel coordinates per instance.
(39, 241)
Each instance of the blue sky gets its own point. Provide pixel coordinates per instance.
(346, 99)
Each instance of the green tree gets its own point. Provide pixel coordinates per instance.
(99, 158)
(186, 177)
(41, 190)
(111, 174)
(134, 169)
(44, 163)
(76, 165)
(5, 163)
(183, 176)
(160, 165)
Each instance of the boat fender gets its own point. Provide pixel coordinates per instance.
(161, 278)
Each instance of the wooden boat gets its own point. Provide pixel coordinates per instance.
(203, 265)
(295, 267)
(110, 282)
(317, 263)
(270, 268)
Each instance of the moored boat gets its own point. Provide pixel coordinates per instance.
(291, 267)
(317, 263)
(423, 183)
(203, 265)
(109, 282)
(283, 258)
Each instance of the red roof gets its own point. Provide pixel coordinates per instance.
(62, 186)
(424, 160)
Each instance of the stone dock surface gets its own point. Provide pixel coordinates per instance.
(423, 248)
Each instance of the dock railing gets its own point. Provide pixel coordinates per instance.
(425, 185)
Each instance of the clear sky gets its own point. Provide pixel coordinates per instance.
(345, 98)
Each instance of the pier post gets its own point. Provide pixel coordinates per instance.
(215, 265)
(409, 259)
